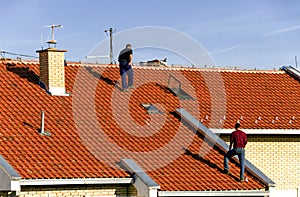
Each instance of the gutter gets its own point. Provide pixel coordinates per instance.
(215, 193)
(75, 181)
(260, 131)
(222, 145)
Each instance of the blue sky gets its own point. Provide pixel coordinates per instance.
(260, 34)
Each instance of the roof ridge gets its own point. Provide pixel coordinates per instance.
(155, 67)
(254, 71)
(20, 61)
(184, 68)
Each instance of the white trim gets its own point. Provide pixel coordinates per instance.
(79, 181)
(215, 193)
(58, 91)
(259, 131)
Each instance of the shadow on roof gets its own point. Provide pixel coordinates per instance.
(99, 76)
(24, 72)
(207, 162)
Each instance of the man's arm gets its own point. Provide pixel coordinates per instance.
(231, 141)
(130, 59)
(230, 146)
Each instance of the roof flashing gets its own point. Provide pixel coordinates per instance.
(134, 168)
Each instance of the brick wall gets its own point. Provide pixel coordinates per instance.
(278, 156)
(52, 67)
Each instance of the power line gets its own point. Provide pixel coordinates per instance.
(17, 54)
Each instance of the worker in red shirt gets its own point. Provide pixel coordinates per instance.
(238, 139)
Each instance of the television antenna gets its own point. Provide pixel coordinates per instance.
(53, 26)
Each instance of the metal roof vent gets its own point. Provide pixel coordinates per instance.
(174, 86)
(42, 130)
(151, 109)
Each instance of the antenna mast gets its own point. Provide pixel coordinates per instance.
(296, 62)
(110, 30)
(52, 41)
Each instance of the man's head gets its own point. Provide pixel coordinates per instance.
(128, 46)
(237, 126)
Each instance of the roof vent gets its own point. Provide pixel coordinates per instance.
(155, 62)
(175, 86)
(42, 130)
(151, 109)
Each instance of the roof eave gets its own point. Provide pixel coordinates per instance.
(215, 193)
(75, 181)
(260, 131)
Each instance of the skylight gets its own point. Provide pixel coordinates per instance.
(175, 86)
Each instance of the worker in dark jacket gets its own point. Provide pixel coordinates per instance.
(238, 140)
(125, 64)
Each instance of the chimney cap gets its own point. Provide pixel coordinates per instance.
(52, 50)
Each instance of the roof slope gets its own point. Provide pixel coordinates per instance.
(263, 100)
(98, 125)
(34, 156)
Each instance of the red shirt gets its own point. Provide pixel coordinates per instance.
(238, 138)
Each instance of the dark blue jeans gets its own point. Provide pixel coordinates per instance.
(126, 69)
(240, 152)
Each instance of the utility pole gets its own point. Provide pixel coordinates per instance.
(110, 30)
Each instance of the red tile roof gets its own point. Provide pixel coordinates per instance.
(98, 125)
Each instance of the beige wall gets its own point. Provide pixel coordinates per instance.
(278, 156)
(75, 191)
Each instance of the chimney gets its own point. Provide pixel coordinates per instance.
(52, 70)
